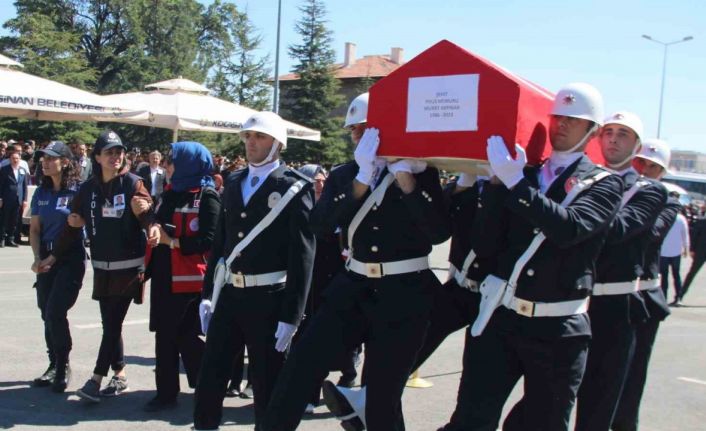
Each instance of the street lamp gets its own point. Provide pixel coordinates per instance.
(664, 71)
(275, 98)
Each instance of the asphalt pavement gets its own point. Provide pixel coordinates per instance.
(675, 397)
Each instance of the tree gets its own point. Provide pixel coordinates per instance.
(311, 98)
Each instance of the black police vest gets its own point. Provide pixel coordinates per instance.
(112, 238)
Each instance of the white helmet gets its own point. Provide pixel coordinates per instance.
(269, 123)
(357, 111)
(627, 119)
(579, 100)
(656, 151)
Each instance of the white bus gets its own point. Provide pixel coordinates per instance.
(695, 184)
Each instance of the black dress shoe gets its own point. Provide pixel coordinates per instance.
(246, 393)
(11, 243)
(46, 378)
(346, 382)
(157, 404)
(61, 379)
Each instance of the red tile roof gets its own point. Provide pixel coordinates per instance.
(373, 66)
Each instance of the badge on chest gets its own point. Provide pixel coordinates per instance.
(116, 209)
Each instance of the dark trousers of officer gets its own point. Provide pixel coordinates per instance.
(11, 221)
(610, 352)
(111, 353)
(177, 335)
(628, 412)
(496, 360)
(246, 315)
(673, 262)
(695, 267)
(454, 308)
(389, 317)
(236, 377)
(57, 291)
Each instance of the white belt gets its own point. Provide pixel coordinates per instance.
(625, 287)
(378, 270)
(462, 280)
(546, 309)
(241, 280)
(118, 264)
(621, 288)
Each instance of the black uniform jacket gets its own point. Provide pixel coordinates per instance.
(563, 267)
(698, 238)
(623, 256)
(654, 299)
(467, 230)
(403, 227)
(287, 244)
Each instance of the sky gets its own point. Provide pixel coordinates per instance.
(548, 42)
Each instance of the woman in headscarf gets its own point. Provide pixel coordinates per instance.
(187, 213)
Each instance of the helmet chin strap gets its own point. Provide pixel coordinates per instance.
(580, 143)
(268, 159)
(615, 166)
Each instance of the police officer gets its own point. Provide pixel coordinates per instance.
(652, 162)
(554, 222)
(263, 299)
(390, 215)
(616, 306)
(102, 207)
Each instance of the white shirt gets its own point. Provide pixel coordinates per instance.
(555, 163)
(248, 186)
(153, 176)
(677, 238)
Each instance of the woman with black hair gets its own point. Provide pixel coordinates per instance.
(58, 288)
(117, 253)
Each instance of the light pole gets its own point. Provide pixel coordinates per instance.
(664, 71)
(275, 98)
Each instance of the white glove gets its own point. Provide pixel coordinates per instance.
(466, 180)
(365, 155)
(407, 165)
(285, 333)
(205, 314)
(506, 168)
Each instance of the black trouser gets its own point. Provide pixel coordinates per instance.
(57, 291)
(610, 352)
(496, 360)
(111, 355)
(628, 412)
(695, 267)
(673, 262)
(11, 221)
(177, 335)
(454, 308)
(389, 317)
(236, 377)
(248, 315)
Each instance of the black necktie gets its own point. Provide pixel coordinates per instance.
(558, 171)
(254, 181)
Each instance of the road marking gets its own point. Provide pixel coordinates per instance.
(26, 271)
(125, 323)
(690, 380)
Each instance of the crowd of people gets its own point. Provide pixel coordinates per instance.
(554, 271)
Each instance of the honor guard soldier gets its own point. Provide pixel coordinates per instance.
(260, 268)
(616, 305)
(555, 218)
(455, 305)
(652, 162)
(390, 215)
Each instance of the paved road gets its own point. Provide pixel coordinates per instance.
(675, 397)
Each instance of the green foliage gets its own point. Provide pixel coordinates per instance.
(310, 99)
(115, 46)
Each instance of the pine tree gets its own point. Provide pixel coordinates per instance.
(310, 99)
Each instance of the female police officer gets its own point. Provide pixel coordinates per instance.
(117, 252)
(57, 289)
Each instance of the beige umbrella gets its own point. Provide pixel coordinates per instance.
(180, 104)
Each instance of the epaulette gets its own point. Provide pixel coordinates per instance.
(298, 174)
